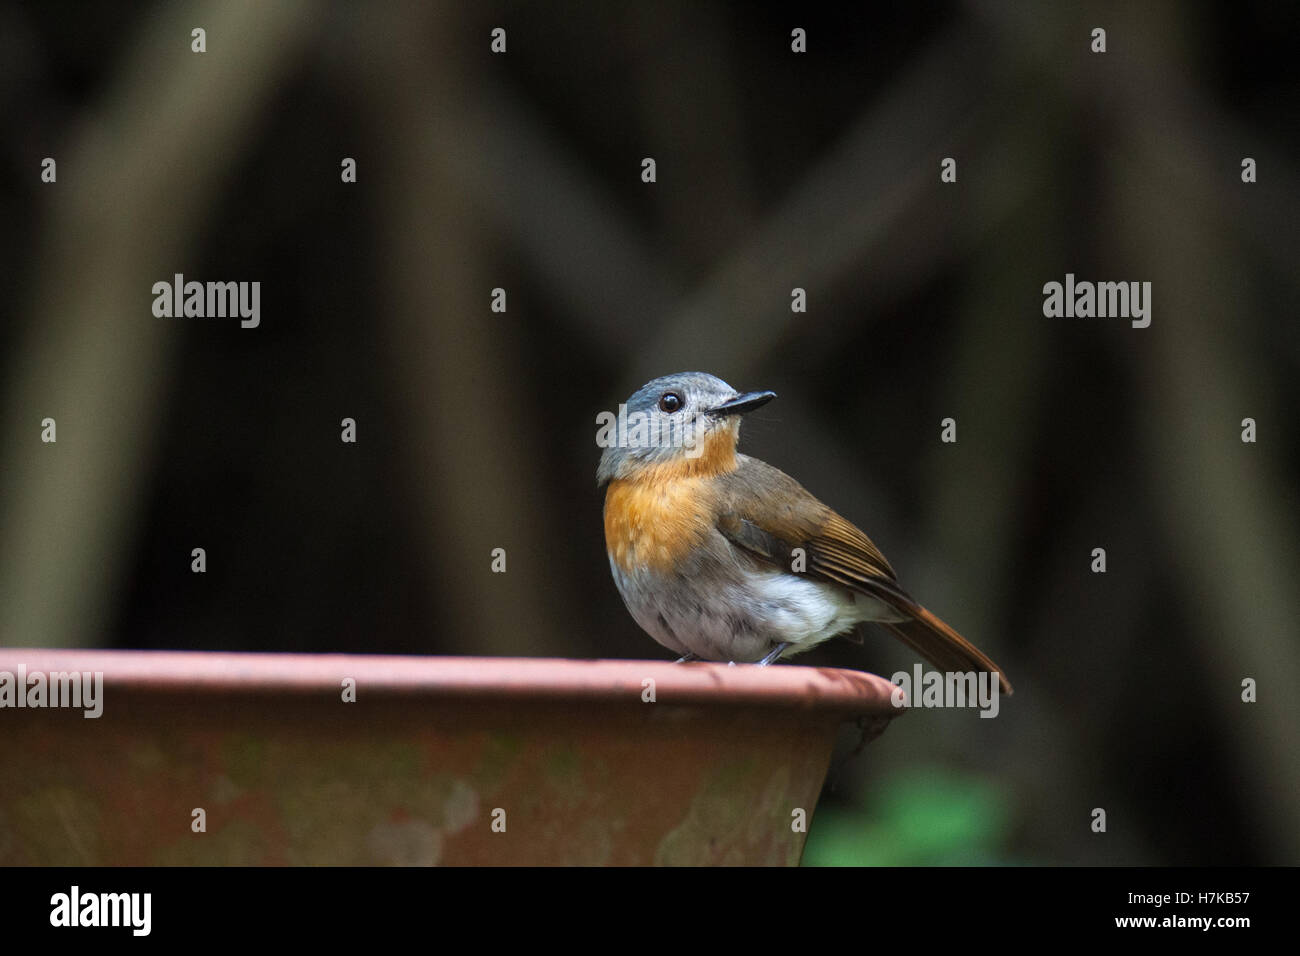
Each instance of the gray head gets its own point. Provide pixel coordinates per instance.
(674, 417)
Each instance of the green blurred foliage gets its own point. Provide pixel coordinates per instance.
(916, 817)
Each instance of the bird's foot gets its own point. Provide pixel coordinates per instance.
(773, 654)
(687, 658)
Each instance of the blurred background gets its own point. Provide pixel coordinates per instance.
(775, 170)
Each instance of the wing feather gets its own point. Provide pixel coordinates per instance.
(834, 550)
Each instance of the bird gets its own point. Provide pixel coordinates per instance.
(722, 557)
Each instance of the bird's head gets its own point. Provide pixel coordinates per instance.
(686, 423)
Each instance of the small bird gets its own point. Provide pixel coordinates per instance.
(720, 556)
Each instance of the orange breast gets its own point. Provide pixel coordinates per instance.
(654, 524)
(655, 517)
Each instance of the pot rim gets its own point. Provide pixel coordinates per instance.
(829, 690)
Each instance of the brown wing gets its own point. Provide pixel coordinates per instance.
(769, 515)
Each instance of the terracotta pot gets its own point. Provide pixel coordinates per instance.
(438, 760)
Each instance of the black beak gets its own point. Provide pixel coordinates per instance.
(745, 402)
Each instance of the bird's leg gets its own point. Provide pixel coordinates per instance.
(687, 658)
(773, 654)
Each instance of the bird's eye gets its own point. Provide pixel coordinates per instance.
(671, 402)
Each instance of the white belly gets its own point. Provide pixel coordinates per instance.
(744, 617)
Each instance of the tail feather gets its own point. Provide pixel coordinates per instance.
(942, 646)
